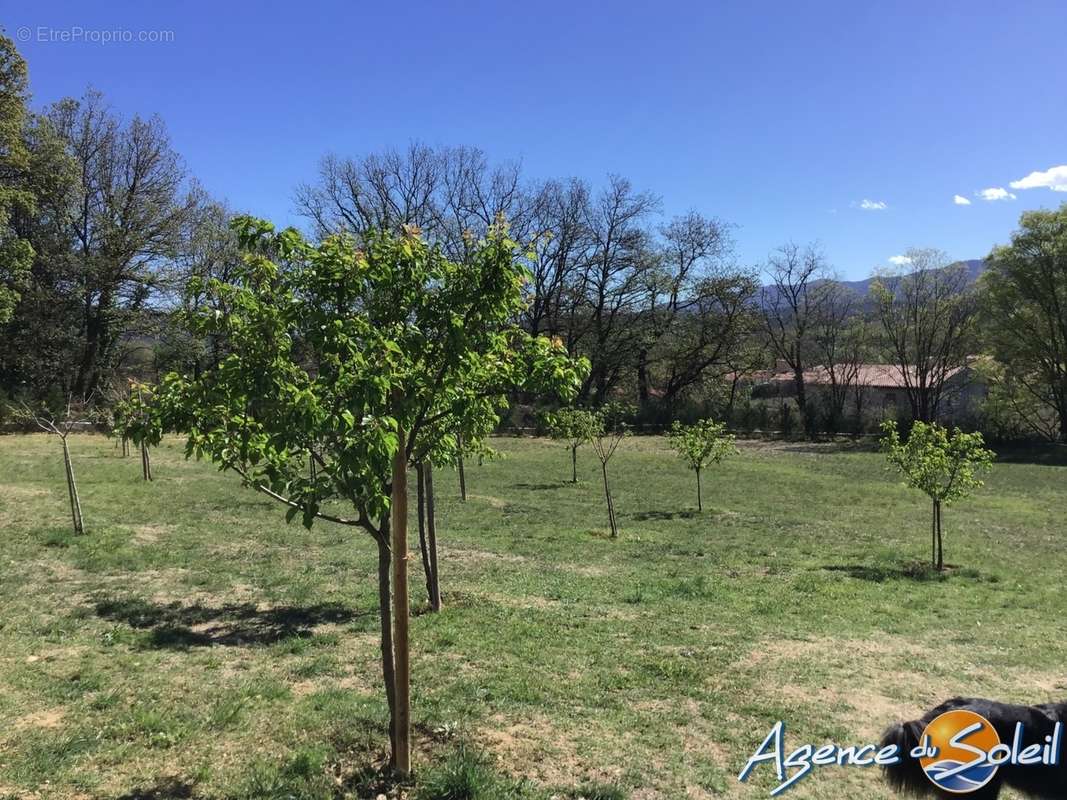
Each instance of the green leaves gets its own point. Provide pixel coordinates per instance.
(702, 443)
(331, 347)
(574, 425)
(943, 465)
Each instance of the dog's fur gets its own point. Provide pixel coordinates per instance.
(1038, 781)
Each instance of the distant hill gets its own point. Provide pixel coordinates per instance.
(974, 267)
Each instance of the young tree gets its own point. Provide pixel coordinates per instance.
(700, 444)
(355, 356)
(945, 466)
(575, 426)
(1025, 304)
(610, 431)
(62, 427)
(136, 420)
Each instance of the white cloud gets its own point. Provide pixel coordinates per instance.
(995, 193)
(960, 200)
(900, 261)
(1054, 179)
(874, 205)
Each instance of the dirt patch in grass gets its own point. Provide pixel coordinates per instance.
(477, 556)
(150, 534)
(541, 751)
(14, 492)
(493, 502)
(46, 719)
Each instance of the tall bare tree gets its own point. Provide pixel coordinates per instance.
(791, 307)
(839, 348)
(928, 325)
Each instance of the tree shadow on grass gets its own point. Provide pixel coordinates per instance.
(177, 626)
(162, 789)
(918, 571)
(663, 516)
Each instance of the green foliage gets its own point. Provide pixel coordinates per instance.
(1024, 299)
(16, 254)
(138, 417)
(611, 428)
(576, 426)
(702, 443)
(332, 347)
(945, 466)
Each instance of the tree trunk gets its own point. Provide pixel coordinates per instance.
(386, 618)
(146, 462)
(940, 540)
(933, 534)
(427, 569)
(802, 397)
(700, 501)
(401, 615)
(125, 447)
(72, 490)
(574, 463)
(611, 505)
(462, 472)
(643, 393)
(431, 540)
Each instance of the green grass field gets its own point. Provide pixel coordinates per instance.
(192, 644)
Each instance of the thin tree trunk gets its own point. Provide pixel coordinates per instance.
(574, 463)
(386, 618)
(125, 447)
(401, 615)
(431, 540)
(940, 541)
(700, 500)
(611, 505)
(420, 474)
(933, 534)
(72, 490)
(146, 462)
(462, 472)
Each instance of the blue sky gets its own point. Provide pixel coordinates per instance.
(780, 117)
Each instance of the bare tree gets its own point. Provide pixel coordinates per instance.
(928, 324)
(838, 347)
(689, 308)
(791, 306)
(452, 194)
(612, 282)
(62, 427)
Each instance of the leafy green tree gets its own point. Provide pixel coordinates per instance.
(575, 426)
(943, 465)
(345, 362)
(16, 253)
(1024, 298)
(700, 444)
(611, 429)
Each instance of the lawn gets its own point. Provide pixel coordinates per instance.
(192, 644)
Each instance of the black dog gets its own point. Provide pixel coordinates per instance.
(1039, 781)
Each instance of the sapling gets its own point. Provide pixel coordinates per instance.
(943, 465)
(700, 444)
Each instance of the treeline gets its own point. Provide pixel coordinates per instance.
(102, 231)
